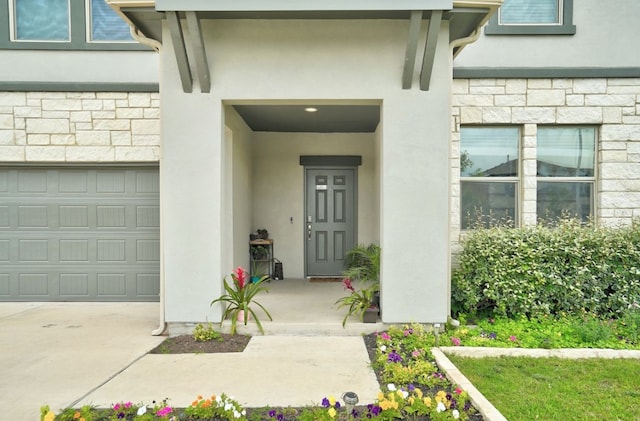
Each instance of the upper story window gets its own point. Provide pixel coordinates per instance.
(533, 17)
(63, 25)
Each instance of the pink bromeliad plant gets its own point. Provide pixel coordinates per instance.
(358, 300)
(240, 296)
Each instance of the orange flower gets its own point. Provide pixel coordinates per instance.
(199, 397)
(194, 403)
(76, 415)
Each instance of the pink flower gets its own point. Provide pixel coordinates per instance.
(241, 276)
(458, 391)
(347, 284)
(385, 336)
(455, 341)
(415, 354)
(164, 411)
(512, 338)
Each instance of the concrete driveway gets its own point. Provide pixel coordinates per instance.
(58, 353)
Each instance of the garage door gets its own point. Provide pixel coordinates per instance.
(79, 234)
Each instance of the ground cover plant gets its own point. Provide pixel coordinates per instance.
(557, 389)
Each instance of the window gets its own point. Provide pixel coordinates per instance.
(63, 25)
(41, 20)
(532, 17)
(565, 170)
(489, 171)
(106, 24)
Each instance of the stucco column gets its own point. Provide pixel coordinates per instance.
(415, 207)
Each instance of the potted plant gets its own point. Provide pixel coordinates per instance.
(360, 302)
(363, 265)
(239, 297)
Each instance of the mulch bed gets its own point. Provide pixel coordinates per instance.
(185, 344)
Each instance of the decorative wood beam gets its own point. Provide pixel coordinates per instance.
(200, 54)
(430, 49)
(177, 39)
(412, 48)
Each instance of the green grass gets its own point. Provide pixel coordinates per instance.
(557, 389)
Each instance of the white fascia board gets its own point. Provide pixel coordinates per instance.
(300, 5)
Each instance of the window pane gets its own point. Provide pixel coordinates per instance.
(530, 12)
(566, 152)
(42, 20)
(489, 151)
(484, 202)
(106, 24)
(573, 199)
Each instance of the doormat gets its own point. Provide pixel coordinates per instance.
(325, 279)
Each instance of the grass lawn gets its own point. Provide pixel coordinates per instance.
(557, 389)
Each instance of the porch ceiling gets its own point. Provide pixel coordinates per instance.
(465, 17)
(327, 118)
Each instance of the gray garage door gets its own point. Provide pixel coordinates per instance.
(79, 234)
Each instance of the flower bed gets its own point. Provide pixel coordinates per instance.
(413, 388)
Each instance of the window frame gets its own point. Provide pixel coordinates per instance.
(516, 180)
(592, 179)
(565, 27)
(79, 27)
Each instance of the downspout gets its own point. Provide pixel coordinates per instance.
(155, 44)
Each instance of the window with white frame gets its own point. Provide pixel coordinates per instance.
(565, 172)
(531, 17)
(64, 24)
(489, 175)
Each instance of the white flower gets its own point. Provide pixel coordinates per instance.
(244, 412)
(228, 406)
(142, 410)
(218, 399)
(391, 387)
(405, 394)
(236, 414)
(441, 407)
(456, 414)
(383, 348)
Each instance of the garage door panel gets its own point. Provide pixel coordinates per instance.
(92, 235)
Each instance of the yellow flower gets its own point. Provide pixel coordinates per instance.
(400, 394)
(411, 400)
(427, 401)
(50, 416)
(380, 396)
(332, 401)
(418, 392)
(332, 411)
(441, 396)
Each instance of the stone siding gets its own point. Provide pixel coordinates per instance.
(77, 127)
(612, 105)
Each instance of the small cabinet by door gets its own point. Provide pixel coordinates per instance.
(261, 257)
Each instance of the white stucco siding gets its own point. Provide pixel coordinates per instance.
(603, 38)
(77, 67)
(292, 62)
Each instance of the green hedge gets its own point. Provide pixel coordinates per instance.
(533, 271)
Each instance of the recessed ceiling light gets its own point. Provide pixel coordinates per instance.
(311, 109)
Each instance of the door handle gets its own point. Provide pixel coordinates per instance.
(309, 230)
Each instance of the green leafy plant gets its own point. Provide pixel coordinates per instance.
(219, 407)
(358, 300)
(240, 296)
(202, 333)
(363, 263)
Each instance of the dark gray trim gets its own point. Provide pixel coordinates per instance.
(428, 59)
(544, 72)
(78, 29)
(199, 52)
(180, 50)
(567, 27)
(412, 48)
(77, 87)
(331, 160)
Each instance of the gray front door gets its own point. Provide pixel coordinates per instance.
(329, 220)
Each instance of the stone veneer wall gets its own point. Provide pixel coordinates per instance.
(79, 127)
(612, 105)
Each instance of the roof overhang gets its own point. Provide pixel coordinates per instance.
(465, 17)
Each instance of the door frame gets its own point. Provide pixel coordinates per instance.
(331, 162)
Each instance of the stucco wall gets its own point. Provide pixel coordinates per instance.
(278, 188)
(605, 31)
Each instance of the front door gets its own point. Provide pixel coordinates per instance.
(329, 220)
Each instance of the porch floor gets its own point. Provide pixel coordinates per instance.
(301, 307)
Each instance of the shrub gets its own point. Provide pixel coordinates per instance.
(569, 267)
